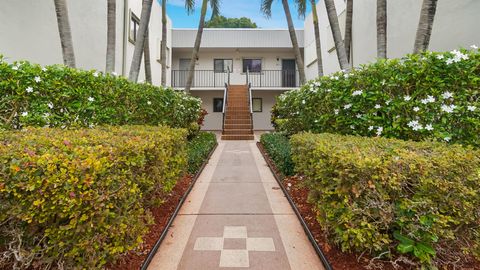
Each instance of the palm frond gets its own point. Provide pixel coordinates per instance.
(215, 5)
(190, 6)
(301, 7)
(266, 7)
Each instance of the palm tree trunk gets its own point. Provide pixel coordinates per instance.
(382, 29)
(65, 32)
(337, 35)
(146, 56)
(317, 38)
(140, 40)
(163, 49)
(196, 48)
(425, 24)
(293, 37)
(111, 35)
(348, 29)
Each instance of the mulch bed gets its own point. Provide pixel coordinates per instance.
(336, 258)
(135, 259)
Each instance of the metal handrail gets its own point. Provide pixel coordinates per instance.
(201, 78)
(225, 97)
(250, 96)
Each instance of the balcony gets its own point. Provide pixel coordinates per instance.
(213, 79)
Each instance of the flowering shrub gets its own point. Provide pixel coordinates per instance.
(57, 96)
(76, 199)
(430, 95)
(377, 195)
(278, 148)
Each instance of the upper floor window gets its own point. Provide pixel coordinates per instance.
(222, 65)
(134, 24)
(253, 65)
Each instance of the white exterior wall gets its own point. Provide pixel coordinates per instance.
(262, 120)
(455, 26)
(29, 32)
(213, 120)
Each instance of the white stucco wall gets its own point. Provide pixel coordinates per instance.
(261, 120)
(213, 120)
(29, 31)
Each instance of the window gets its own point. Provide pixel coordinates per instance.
(257, 105)
(253, 65)
(222, 65)
(217, 104)
(134, 23)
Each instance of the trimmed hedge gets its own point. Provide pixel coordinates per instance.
(423, 96)
(77, 198)
(198, 150)
(376, 194)
(278, 148)
(58, 96)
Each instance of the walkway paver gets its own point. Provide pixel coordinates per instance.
(236, 217)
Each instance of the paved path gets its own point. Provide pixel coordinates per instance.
(236, 217)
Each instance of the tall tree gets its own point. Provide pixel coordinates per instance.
(266, 7)
(223, 22)
(163, 57)
(348, 29)
(189, 5)
(111, 35)
(425, 25)
(140, 40)
(337, 34)
(146, 59)
(65, 33)
(382, 28)
(302, 9)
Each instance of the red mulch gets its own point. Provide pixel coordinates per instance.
(134, 259)
(337, 258)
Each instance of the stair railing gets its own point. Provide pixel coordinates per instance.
(225, 97)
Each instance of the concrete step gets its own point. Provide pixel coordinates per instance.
(237, 131)
(238, 137)
(238, 126)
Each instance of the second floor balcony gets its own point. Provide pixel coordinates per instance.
(268, 79)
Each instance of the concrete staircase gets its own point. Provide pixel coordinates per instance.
(238, 119)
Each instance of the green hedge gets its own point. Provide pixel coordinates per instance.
(278, 148)
(57, 96)
(77, 198)
(198, 149)
(430, 95)
(376, 194)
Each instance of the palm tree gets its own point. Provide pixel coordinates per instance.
(146, 58)
(140, 40)
(111, 35)
(189, 5)
(382, 28)
(163, 49)
(65, 32)
(424, 31)
(267, 10)
(348, 29)
(302, 8)
(337, 35)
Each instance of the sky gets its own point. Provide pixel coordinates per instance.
(234, 9)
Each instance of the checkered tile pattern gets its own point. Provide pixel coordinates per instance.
(234, 246)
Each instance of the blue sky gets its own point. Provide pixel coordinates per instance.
(235, 9)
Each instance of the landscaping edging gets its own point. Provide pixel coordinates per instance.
(154, 249)
(314, 243)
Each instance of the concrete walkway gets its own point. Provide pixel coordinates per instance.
(236, 217)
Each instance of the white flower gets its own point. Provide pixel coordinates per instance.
(29, 89)
(24, 114)
(379, 131)
(46, 115)
(415, 125)
(149, 102)
(317, 84)
(370, 128)
(357, 93)
(440, 56)
(447, 95)
(336, 111)
(388, 101)
(114, 73)
(416, 109)
(15, 67)
(91, 99)
(447, 139)
(352, 127)
(95, 74)
(328, 90)
(474, 47)
(44, 69)
(37, 79)
(303, 101)
(335, 78)
(448, 108)
(377, 106)
(427, 100)
(471, 108)
(359, 116)
(407, 98)
(429, 127)
(50, 105)
(347, 106)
